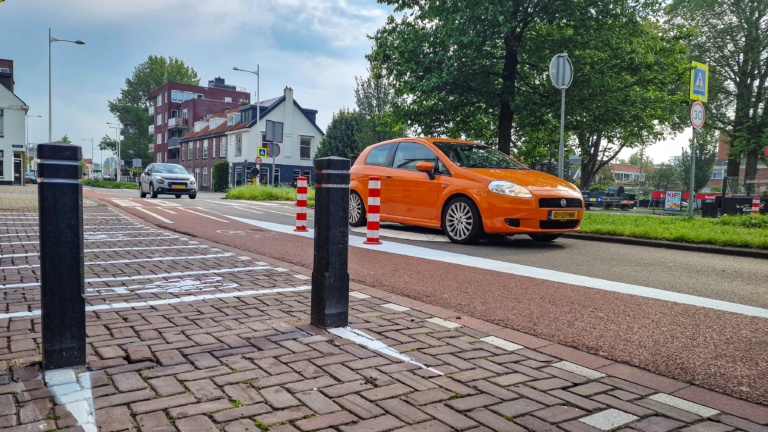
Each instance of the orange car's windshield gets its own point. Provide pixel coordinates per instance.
(468, 155)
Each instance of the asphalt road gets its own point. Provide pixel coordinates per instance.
(734, 279)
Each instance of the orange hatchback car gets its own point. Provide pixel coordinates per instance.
(464, 188)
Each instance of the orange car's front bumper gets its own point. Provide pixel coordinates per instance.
(502, 215)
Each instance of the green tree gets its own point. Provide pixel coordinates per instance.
(731, 37)
(132, 106)
(341, 137)
(471, 68)
(603, 179)
(664, 178)
(65, 139)
(220, 176)
(705, 156)
(108, 144)
(374, 98)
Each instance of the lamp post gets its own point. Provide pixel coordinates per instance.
(258, 111)
(117, 127)
(26, 141)
(92, 155)
(50, 91)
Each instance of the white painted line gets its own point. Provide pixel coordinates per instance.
(18, 217)
(157, 259)
(74, 392)
(609, 419)
(133, 248)
(528, 271)
(363, 339)
(302, 277)
(359, 295)
(205, 215)
(166, 210)
(21, 266)
(684, 405)
(444, 323)
(152, 214)
(126, 203)
(167, 301)
(249, 210)
(18, 223)
(19, 235)
(130, 239)
(501, 343)
(161, 275)
(119, 232)
(167, 204)
(19, 255)
(578, 370)
(228, 203)
(395, 307)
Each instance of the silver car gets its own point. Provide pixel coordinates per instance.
(167, 179)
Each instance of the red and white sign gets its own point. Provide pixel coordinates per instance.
(697, 115)
(258, 161)
(657, 195)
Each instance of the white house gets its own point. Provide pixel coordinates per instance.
(301, 136)
(13, 111)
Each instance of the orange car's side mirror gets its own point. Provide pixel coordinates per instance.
(426, 167)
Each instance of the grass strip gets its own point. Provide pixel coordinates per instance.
(749, 231)
(109, 184)
(268, 193)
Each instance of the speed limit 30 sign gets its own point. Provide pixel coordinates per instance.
(697, 115)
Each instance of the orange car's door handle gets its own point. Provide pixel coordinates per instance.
(389, 176)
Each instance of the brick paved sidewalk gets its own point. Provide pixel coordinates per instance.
(189, 336)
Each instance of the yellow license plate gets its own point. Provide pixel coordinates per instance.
(177, 186)
(562, 215)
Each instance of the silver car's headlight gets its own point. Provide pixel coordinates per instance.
(504, 187)
(159, 180)
(191, 182)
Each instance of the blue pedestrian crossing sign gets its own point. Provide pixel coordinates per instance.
(699, 81)
(262, 152)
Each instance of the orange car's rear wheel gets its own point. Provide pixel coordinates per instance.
(356, 210)
(461, 221)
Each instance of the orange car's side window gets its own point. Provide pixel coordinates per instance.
(378, 155)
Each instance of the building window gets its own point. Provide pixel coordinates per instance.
(159, 157)
(205, 149)
(717, 175)
(2, 122)
(181, 151)
(306, 147)
(308, 175)
(159, 99)
(246, 117)
(205, 176)
(159, 120)
(296, 175)
(239, 145)
(159, 138)
(1, 163)
(189, 151)
(197, 149)
(199, 96)
(174, 113)
(276, 177)
(227, 99)
(223, 147)
(197, 175)
(184, 114)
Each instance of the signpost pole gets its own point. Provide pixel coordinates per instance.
(273, 170)
(561, 153)
(691, 191)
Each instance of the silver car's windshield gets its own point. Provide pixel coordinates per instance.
(169, 169)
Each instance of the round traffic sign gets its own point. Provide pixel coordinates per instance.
(273, 150)
(697, 115)
(561, 71)
(258, 161)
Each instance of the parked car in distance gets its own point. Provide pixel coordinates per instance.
(464, 188)
(30, 177)
(167, 179)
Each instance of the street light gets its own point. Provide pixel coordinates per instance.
(258, 109)
(92, 155)
(50, 92)
(26, 138)
(117, 127)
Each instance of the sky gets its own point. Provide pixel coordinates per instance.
(316, 47)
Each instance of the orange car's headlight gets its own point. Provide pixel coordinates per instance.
(504, 187)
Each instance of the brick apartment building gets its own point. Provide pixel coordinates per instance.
(721, 169)
(176, 107)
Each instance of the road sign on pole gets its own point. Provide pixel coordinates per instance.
(273, 150)
(697, 115)
(561, 74)
(262, 152)
(258, 161)
(699, 81)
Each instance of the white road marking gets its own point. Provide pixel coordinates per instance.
(166, 210)
(18, 217)
(158, 259)
(249, 210)
(358, 295)
(363, 339)
(104, 250)
(169, 301)
(205, 215)
(578, 370)
(166, 204)
(501, 343)
(608, 419)
(229, 203)
(444, 323)
(528, 271)
(157, 216)
(395, 307)
(130, 239)
(126, 203)
(74, 392)
(161, 275)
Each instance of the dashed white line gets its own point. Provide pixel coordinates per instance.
(205, 215)
(157, 216)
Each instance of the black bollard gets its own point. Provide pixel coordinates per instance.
(60, 200)
(330, 279)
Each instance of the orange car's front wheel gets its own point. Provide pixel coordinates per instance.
(461, 221)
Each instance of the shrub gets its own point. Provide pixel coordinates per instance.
(109, 184)
(220, 176)
(268, 193)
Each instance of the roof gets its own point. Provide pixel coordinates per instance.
(221, 130)
(273, 103)
(625, 168)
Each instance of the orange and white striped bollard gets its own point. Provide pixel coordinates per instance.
(756, 205)
(301, 205)
(374, 208)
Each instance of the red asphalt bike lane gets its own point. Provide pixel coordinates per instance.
(694, 346)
